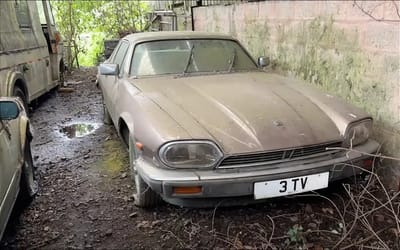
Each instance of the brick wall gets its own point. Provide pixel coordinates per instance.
(348, 48)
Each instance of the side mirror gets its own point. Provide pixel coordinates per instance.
(109, 69)
(9, 110)
(263, 61)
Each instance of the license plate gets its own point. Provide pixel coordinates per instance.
(295, 185)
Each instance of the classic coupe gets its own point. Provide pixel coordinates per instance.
(204, 123)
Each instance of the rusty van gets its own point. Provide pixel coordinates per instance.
(31, 50)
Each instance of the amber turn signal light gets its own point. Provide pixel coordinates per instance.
(139, 145)
(187, 190)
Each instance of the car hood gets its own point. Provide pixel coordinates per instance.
(241, 112)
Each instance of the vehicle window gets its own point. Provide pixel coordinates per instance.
(112, 56)
(22, 12)
(120, 55)
(189, 56)
(42, 15)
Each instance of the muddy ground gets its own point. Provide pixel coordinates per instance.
(85, 198)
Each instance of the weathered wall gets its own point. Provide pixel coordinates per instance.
(352, 50)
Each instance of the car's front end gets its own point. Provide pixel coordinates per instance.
(245, 178)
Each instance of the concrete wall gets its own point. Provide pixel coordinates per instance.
(352, 50)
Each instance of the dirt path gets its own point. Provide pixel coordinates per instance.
(85, 197)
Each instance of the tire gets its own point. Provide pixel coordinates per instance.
(19, 93)
(29, 185)
(144, 196)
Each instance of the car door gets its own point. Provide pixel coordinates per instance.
(4, 153)
(110, 85)
(10, 155)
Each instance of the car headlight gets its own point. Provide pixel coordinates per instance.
(358, 132)
(190, 154)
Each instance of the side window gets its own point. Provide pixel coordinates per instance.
(112, 56)
(120, 55)
(43, 13)
(22, 12)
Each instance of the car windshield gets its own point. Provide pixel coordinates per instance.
(189, 56)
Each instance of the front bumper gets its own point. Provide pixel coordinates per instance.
(239, 182)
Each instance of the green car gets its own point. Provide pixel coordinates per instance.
(16, 165)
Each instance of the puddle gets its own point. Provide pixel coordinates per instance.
(79, 129)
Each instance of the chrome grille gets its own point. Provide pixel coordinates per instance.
(278, 156)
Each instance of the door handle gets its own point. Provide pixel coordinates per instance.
(25, 68)
(47, 62)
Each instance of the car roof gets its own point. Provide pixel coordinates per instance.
(171, 35)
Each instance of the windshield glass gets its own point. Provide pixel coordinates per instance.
(189, 56)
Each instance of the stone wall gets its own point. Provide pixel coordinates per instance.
(351, 49)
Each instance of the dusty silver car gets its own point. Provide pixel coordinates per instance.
(16, 165)
(203, 122)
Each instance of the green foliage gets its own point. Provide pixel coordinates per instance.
(295, 234)
(106, 19)
(296, 237)
(117, 17)
(257, 37)
(92, 45)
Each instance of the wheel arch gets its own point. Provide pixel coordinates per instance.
(125, 122)
(25, 131)
(16, 79)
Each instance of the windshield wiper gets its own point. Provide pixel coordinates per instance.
(190, 59)
(232, 61)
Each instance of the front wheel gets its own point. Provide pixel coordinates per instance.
(143, 195)
(29, 185)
